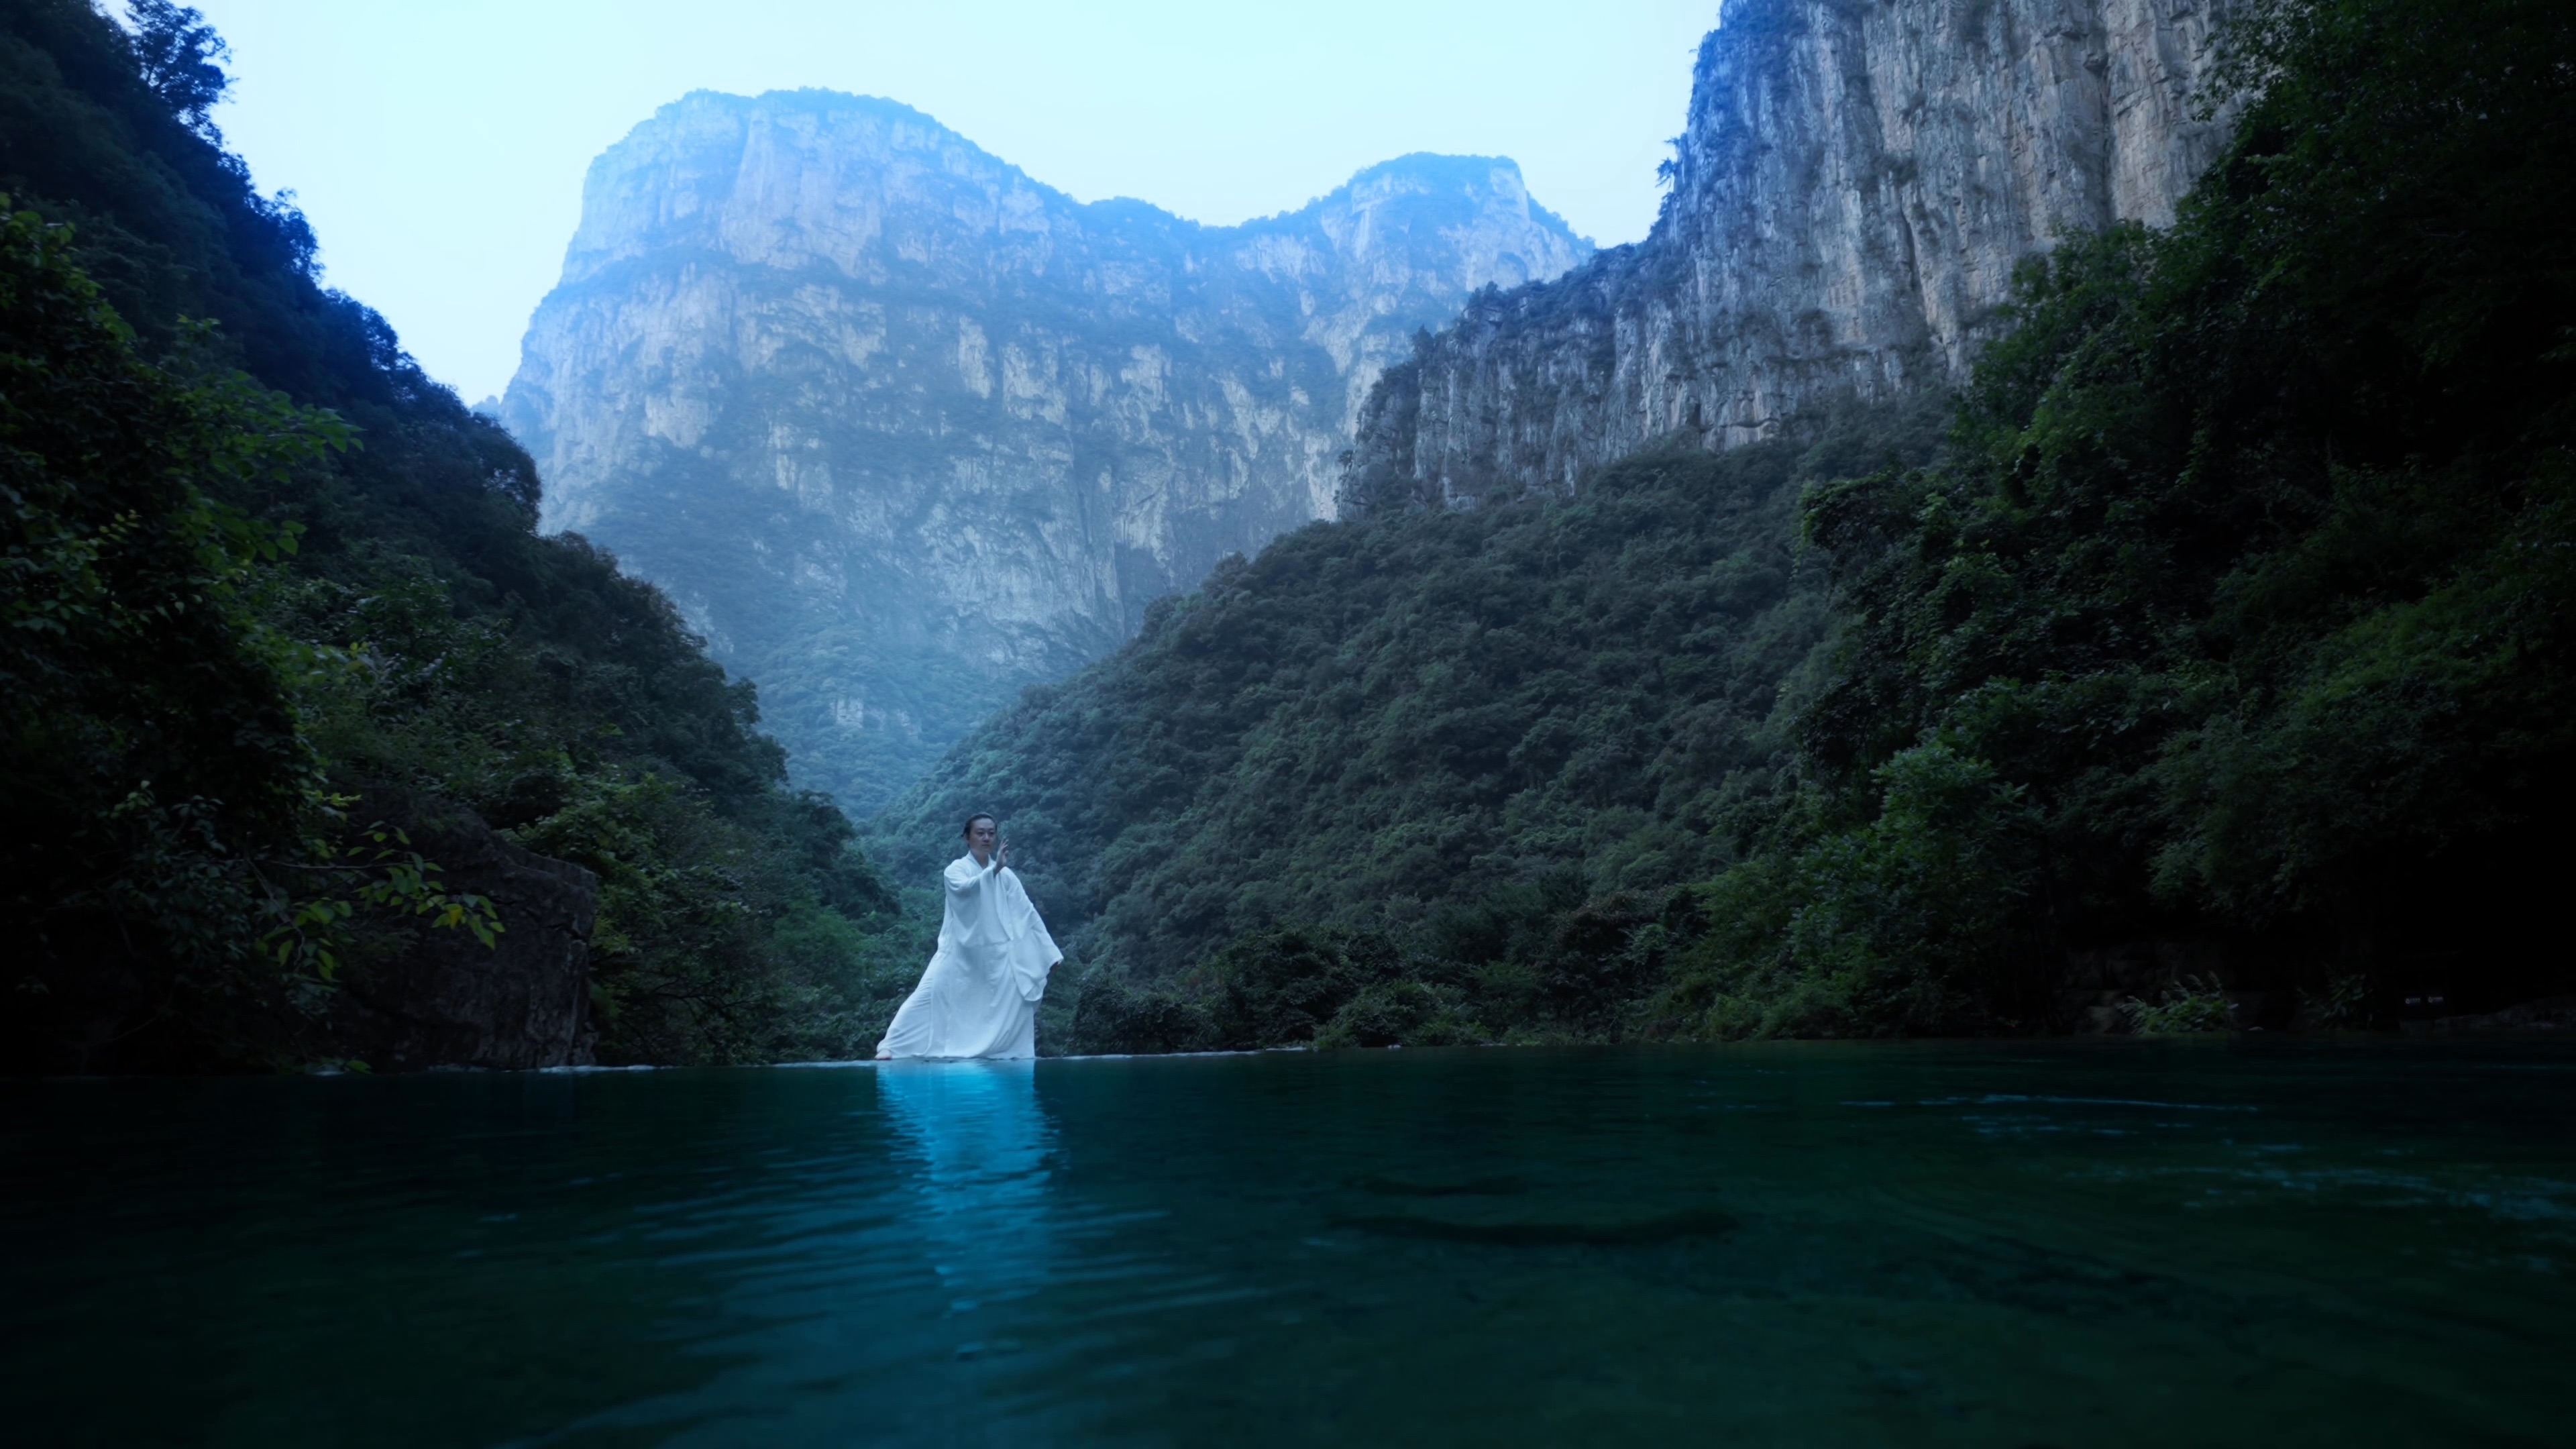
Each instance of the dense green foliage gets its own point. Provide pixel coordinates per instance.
(2233, 617)
(147, 713)
(1445, 755)
(277, 595)
(2242, 608)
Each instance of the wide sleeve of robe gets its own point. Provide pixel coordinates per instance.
(1031, 951)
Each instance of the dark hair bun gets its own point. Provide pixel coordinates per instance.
(969, 827)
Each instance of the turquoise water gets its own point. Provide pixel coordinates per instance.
(2068, 1244)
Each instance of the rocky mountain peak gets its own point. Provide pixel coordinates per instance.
(904, 430)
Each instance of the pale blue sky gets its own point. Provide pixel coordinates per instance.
(439, 145)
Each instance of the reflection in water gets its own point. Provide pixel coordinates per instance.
(888, 1262)
(2106, 1244)
(979, 1144)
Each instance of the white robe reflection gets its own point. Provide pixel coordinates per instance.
(979, 1148)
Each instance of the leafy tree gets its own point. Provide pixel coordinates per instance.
(171, 851)
(181, 57)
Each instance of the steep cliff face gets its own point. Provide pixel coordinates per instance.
(904, 430)
(1856, 182)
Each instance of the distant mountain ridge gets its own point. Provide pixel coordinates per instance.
(904, 430)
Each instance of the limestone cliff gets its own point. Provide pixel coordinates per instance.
(903, 430)
(1855, 183)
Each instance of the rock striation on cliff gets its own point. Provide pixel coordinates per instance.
(903, 430)
(1854, 187)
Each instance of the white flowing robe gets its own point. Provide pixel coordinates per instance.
(980, 996)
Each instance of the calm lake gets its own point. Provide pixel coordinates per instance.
(2081, 1243)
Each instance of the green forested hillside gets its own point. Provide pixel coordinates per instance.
(1457, 733)
(277, 603)
(2232, 621)
(2241, 613)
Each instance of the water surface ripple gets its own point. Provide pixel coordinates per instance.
(1799, 1244)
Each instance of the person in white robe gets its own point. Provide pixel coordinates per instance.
(979, 997)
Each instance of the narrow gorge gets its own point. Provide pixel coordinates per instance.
(903, 430)
(1545, 672)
